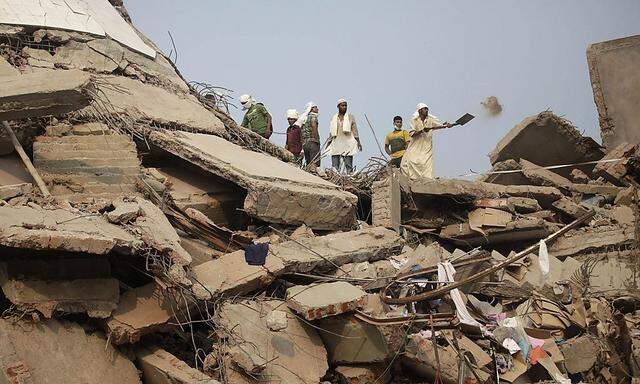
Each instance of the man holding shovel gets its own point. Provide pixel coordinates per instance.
(417, 162)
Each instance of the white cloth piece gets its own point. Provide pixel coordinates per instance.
(543, 259)
(340, 101)
(246, 101)
(511, 345)
(305, 114)
(420, 106)
(292, 114)
(343, 143)
(446, 273)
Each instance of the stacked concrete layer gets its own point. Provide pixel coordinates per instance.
(60, 352)
(60, 285)
(323, 300)
(56, 229)
(41, 94)
(97, 165)
(276, 191)
(562, 143)
(613, 67)
(160, 367)
(231, 275)
(293, 355)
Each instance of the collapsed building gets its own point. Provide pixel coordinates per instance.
(132, 207)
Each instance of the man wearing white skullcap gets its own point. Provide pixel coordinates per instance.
(344, 141)
(417, 162)
(294, 142)
(257, 118)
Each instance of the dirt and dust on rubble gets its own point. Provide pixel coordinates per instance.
(146, 237)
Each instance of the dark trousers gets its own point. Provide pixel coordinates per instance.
(311, 153)
(395, 162)
(347, 160)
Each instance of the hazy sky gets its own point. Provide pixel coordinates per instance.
(386, 56)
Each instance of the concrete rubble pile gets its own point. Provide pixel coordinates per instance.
(147, 238)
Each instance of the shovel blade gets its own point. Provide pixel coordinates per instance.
(465, 119)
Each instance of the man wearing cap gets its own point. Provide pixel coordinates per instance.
(344, 141)
(294, 142)
(417, 162)
(257, 118)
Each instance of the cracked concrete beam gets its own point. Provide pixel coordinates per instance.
(276, 191)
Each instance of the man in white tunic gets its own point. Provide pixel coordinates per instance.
(344, 141)
(417, 162)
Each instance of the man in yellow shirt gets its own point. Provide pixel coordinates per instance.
(395, 143)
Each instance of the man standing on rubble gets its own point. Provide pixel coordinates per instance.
(395, 142)
(294, 142)
(257, 118)
(417, 162)
(344, 141)
(310, 136)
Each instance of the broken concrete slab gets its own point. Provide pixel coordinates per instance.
(54, 351)
(614, 77)
(510, 204)
(12, 169)
(580, 353)
(276, 191)
(104, 166)
(294, 355)
(364, 374)
(589, 240)
(614, 166)
(538, 175)
(478, 190)
(352, 341)
(518, 230)
(40, 228)
(562, 143)
(8, 192)
(142, 311)
(41, 94)
(323, 300)
(569, 208)
(506, 173)
(231, 275)
(161, 367)
(60, 285)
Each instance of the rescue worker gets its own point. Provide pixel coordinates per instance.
(396, 142)
(344, 141)
(417, 162)
(294, 141)
(257, 118)
(310, 136)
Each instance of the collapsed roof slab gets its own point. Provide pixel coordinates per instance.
(615, 79)
(478, 190)
(56, 229)
(546, 139)
(277, 192)
(40, 94)
(231, 275)
(60, 352)
(60, 285)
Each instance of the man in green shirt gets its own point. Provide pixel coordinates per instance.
(257, 118)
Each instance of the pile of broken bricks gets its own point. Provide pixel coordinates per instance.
(128, 201)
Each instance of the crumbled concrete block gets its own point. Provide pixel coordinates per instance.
(60, 285)
(323, 300)
(302, 232)
(562, 143)
(160, 367)
(353, 341)
(578, 176)
(142, 311)
(124, 212)
(364, 374)
(385, 202)
(570, 209)
(518, 230)
(231, 275)
(613, 167)
(296, 356)
(60, 352)
(500, 173)
(626, 197)
(614, 77)
(580, 353)
(40, 94)
(590, 240)
(277, 320)
(8, 192)
(93, 128)
(541, 176)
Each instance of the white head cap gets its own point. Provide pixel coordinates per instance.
(292, 114)
(246, 101)
(340, 101)
(421, 105)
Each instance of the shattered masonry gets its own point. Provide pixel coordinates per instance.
(147, 263)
